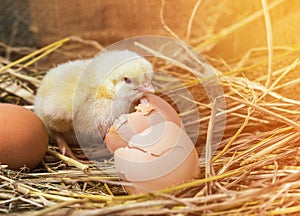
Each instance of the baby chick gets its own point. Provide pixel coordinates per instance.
(78, 101)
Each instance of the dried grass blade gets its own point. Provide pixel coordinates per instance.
(18, 91)
(31, 55)
(269, 41)
(224, 32)
(279, 117)
(69, 161)
(57, 206)
(271, 148)
(239, 131)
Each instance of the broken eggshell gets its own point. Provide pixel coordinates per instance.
(160, 156)
(152, 110)
(151, 148)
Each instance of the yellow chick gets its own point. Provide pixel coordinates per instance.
(78, 101)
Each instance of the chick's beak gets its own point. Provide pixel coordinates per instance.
(146, 87)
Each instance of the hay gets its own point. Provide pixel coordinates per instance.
(255, 170)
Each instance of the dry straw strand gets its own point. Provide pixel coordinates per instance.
(51, 47)
(269, 40)
(190, 23)
(226, 31)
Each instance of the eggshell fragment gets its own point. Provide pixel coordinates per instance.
(162, 106)
(23, 137)
(147, 114)
(171, 159)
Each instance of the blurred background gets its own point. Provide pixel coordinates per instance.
(36, 23)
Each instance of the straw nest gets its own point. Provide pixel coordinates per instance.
(254, 171)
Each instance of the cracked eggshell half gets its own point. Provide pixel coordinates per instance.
(159, 157)
(152, 110)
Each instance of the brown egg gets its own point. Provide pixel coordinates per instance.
(23, 137)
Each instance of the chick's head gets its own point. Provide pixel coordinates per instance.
(132, 78)
(127, 76)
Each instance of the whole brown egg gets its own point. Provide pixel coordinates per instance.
(23, 137)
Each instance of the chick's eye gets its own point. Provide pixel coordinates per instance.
(127, 80)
